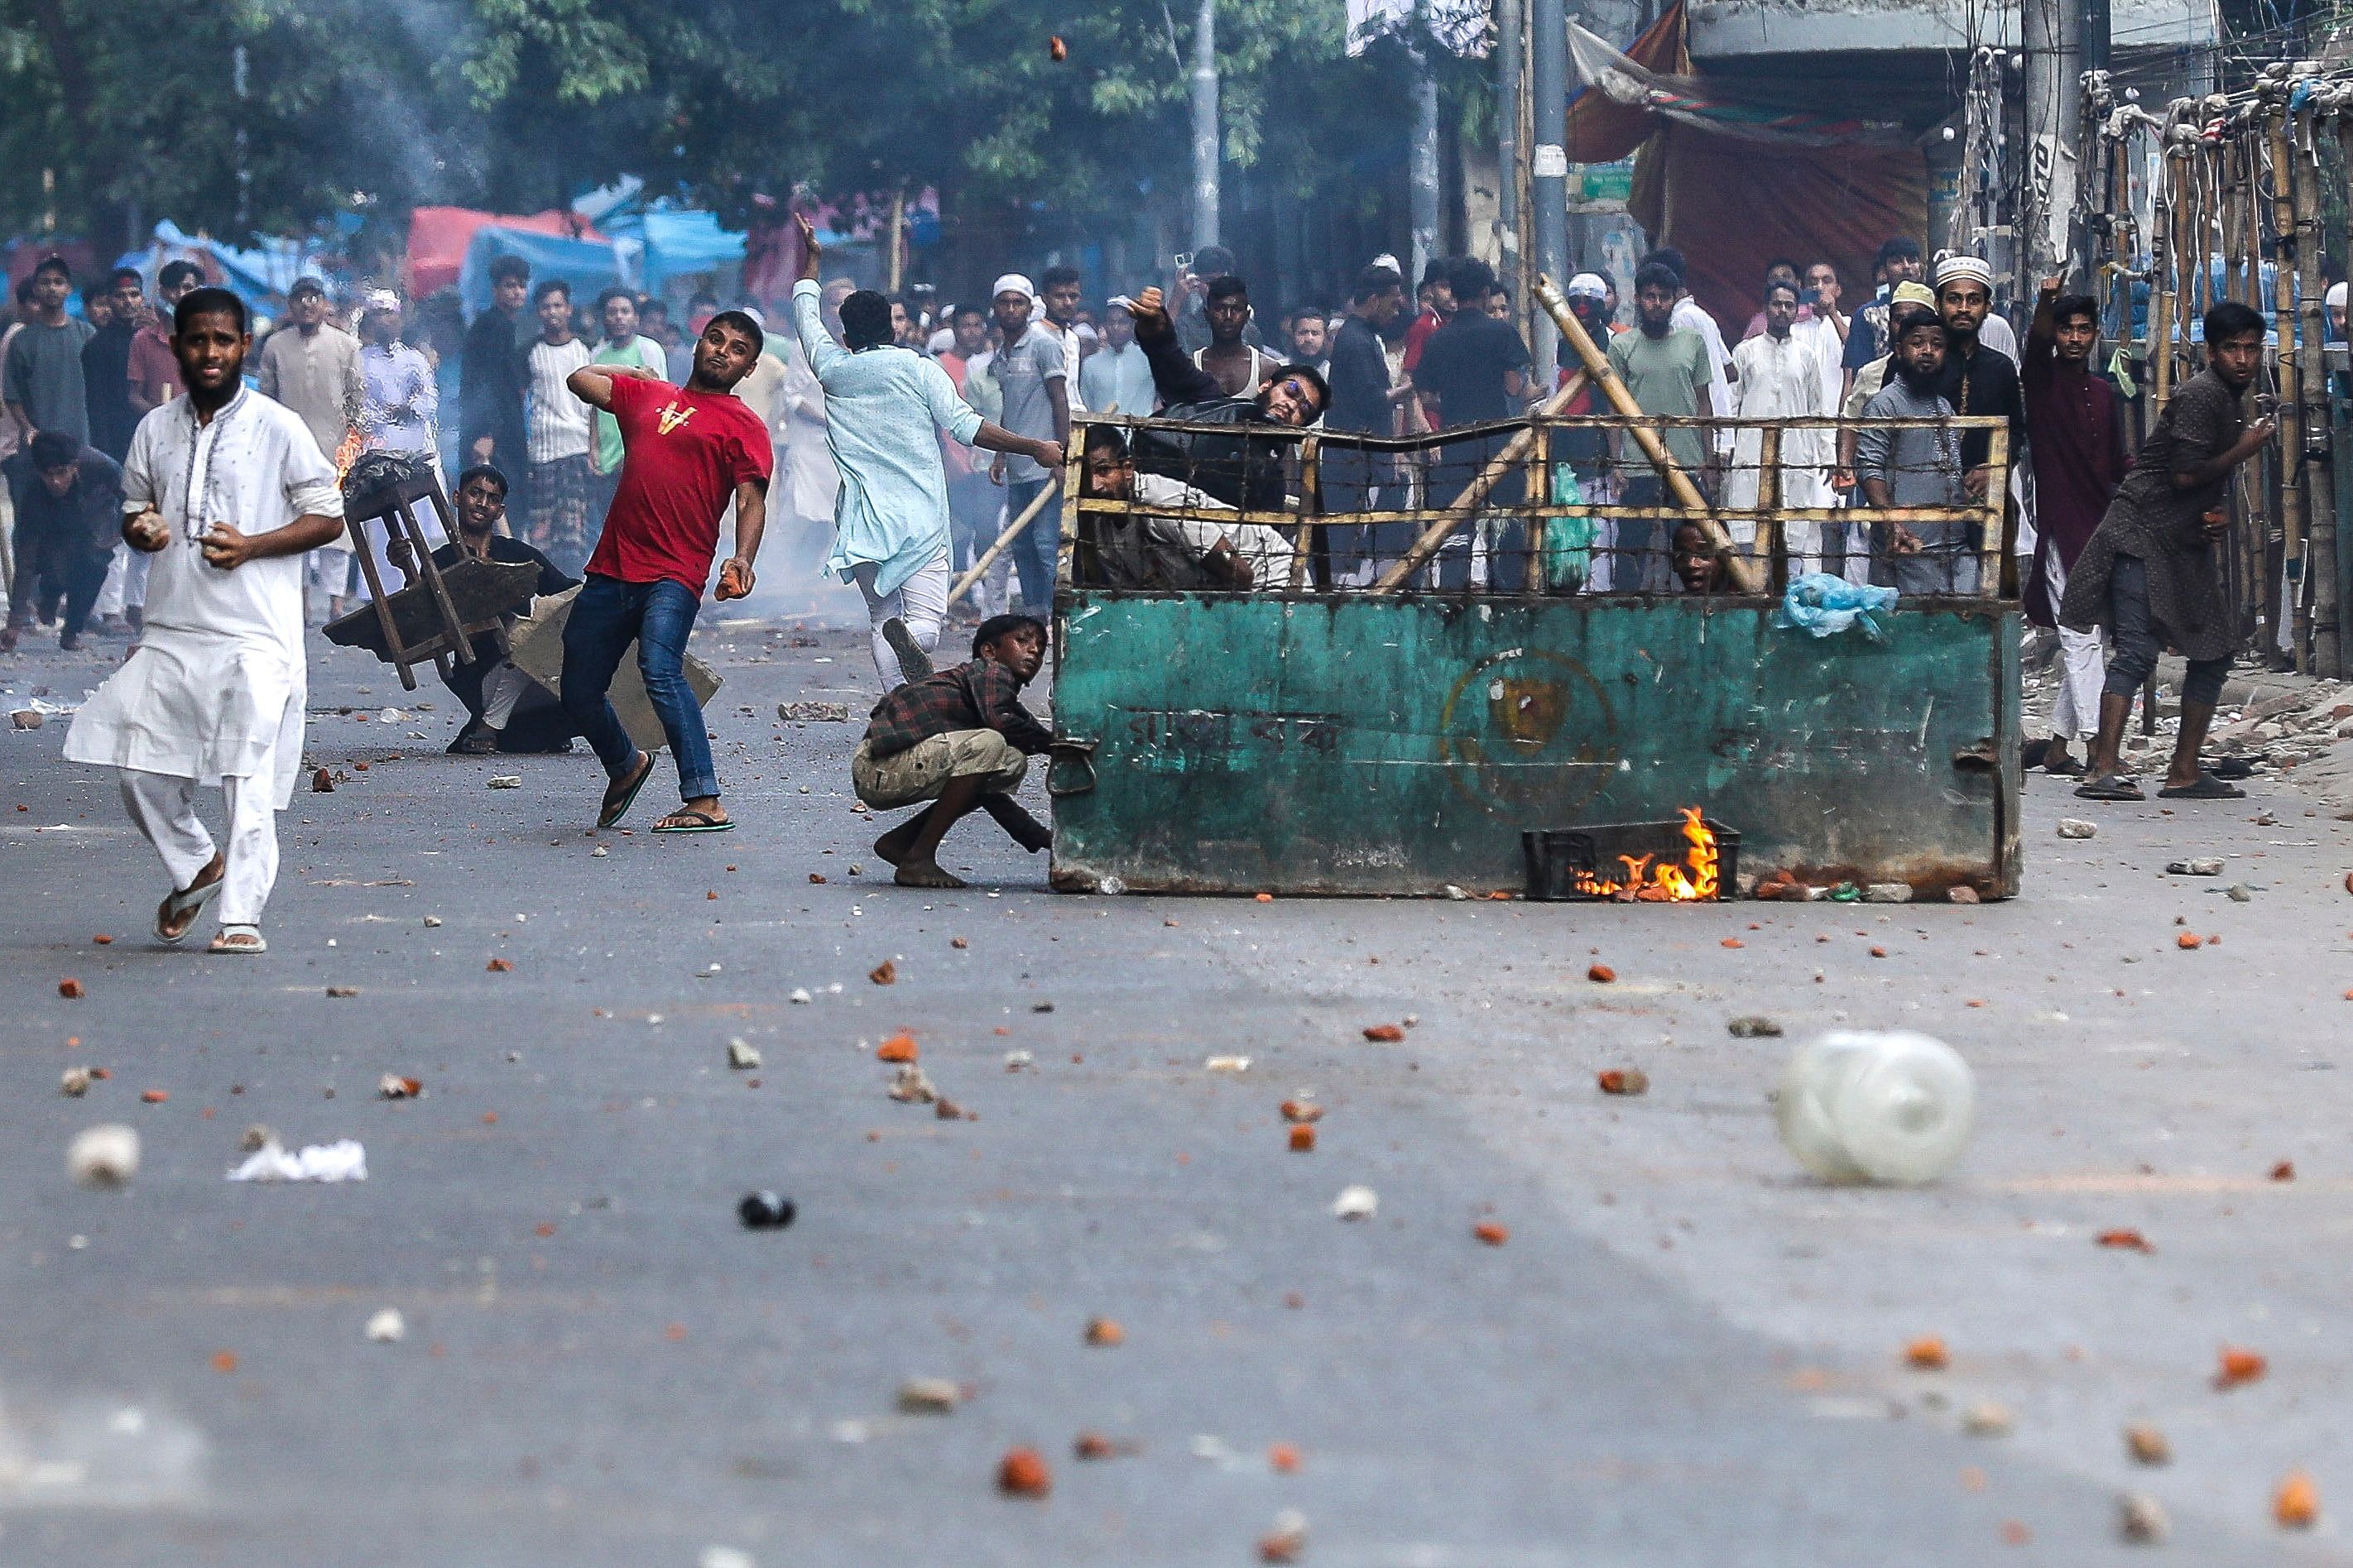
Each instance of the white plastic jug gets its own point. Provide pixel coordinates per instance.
(1858, 1106)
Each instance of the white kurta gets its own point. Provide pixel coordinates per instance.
(216, 687)
(1780, 379)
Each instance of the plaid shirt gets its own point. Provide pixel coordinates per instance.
(982, 695)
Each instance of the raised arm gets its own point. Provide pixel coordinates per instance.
(1174, 376)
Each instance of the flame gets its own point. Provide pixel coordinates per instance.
(1667, 883)
(348, 453)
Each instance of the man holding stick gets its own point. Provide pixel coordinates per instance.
(890, 520)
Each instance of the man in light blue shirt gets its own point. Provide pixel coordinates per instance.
(890, 521)
(1116, 378)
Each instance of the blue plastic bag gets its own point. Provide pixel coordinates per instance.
(1823, 604)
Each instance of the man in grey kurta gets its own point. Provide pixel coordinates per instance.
(1918, 467)
(2148, 573)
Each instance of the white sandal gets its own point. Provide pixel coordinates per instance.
(188, 903)
(239, 939)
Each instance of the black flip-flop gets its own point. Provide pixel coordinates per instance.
(2065, 768)
(2234, 768)
(2208, 787)
(700, 821)
(614, 810)
(2113, 786)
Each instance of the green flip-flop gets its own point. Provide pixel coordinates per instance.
(701, 822)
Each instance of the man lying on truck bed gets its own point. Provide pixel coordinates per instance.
(1142, 548)
(1250, 474)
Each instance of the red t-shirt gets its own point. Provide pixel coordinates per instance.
(683, 454)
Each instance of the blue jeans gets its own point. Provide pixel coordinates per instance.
(606, 616)
(1039, 547)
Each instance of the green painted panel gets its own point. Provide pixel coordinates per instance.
(1399, 744)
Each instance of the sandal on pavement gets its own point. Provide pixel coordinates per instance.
(618, 806)
(183, 904)
(685, 821)
(2113, 786)
(2208, 787)
(239, 939)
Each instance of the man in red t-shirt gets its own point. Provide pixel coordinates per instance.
(686, 452)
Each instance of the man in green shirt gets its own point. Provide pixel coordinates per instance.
(623, 344)
(1666, 367)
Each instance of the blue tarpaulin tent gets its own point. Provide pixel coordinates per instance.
(587, 265)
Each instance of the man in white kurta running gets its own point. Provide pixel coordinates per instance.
(882, 403)
(227, 490)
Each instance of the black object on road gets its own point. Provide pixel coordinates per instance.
(765, 1211)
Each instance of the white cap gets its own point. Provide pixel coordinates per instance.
(1954, 268)
(1014, 283)
(1386, 259)
(2336, 296)
(1121, 302)
(382, 299)
(1591, 285)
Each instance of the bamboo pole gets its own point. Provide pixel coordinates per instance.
(1678, 483)
(1311, 495)
(1475, 493)
(1992, 530)
(1772, 543)
(2312, 383)
(2159, 345)
(1012, 532)
(1539, 526)
(2290, 414)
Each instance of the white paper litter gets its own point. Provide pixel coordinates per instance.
(1356, 1202)
(1227, 1064)
(387, 1326)
(342, 1161)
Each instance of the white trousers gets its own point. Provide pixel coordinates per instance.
(921, 602)
(164, 807)
(2083, 670)
(502, 689)
(126, 583)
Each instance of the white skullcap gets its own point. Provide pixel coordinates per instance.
(1956, 268)
(1014, 283)
(1386, 259)
(2337, 295)
(1589, 285)
(758, 319)
(1121, 302)
(382, 299)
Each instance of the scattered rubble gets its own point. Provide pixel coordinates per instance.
(1302, 1139)
(2203, 867)
(1493, 1235)
(1754, 1027)
(2077, 827)
(930, 1397)
(813, 712)
(884, 974)
(1104, 1334)
(1926, 1354)
(1023, 1473)
(74, 1082)
(1623, 1080)
(2297, 1504)
(742, 1054)
(1888, 893)
(2125, 1240)
(106, 1156)
(910, 1086)
(1987, 1419)
(2237, 1365)
(392, 1086)
(1383, 1033)
(763, 1210)
(2141, 1521)
(898, 1047)
(1286, 1541)
(2148, 1446)
(506, 781)
(342, 1161)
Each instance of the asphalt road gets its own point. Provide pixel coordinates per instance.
(1685, 1352)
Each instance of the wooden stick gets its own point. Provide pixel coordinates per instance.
(1012, 532)
(2160, 295)
(1678, 483)
(1474, 493)
(2319, 480)
(1772, 544)
(1311, 496)
(2291, 413)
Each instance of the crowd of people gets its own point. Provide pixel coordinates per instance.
(174, 481)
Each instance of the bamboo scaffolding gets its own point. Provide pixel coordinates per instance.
(2310, 459)
(2290, 414)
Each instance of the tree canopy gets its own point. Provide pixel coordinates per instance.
(117, 111)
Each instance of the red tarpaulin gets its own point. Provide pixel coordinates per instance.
(1600, 129)
(1732, 206)
(438, 238)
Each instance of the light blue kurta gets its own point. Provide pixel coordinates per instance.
(880, 408)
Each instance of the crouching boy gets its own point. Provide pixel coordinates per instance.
(959, 739)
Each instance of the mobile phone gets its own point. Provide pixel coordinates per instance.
(1184, 260)
(1809, 296)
